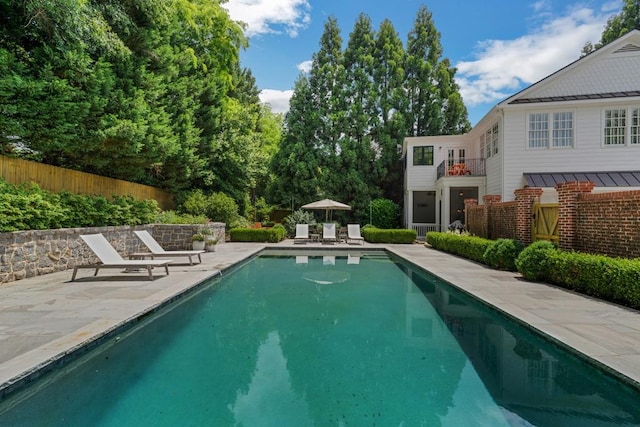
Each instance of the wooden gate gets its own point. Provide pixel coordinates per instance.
(545, 222)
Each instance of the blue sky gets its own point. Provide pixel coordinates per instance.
(498, 46)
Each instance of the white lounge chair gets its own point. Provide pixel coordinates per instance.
(110, 258)
(329, 232)
(353, 233)
(302, 233)
(158, 251)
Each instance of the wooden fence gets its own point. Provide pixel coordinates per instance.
(53, 178)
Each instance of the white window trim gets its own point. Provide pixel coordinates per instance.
(629, 109)
(550, 144)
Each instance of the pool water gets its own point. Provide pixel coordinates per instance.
(326, 341)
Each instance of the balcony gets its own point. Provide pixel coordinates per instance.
(467, 167)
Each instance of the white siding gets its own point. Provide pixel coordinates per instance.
(588, 154)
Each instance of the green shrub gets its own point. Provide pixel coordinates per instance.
(502, 254)
(172, 217)
(612, 279)
(385, 214)
(222, 208)
(298, 217)
(28, 212)
(377, 235)
(470, 247)
(532, 261)
(195, 203)
(271, 235)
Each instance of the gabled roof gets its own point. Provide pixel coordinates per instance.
(600, 179)
(609, 72)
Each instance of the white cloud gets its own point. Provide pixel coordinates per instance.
(270, 16)
(278, 99)
(502, 67)
(305, 66)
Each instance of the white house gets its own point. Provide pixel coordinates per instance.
(580, 123)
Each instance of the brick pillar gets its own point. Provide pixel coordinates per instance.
(468, 205)
(525, 198)
(487, 201)
(568, 193)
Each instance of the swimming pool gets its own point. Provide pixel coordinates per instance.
(326, 340)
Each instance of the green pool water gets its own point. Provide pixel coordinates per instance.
(326, 341)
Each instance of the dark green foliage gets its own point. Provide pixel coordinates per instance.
(271, 235)
(218, 207)
(348, 118)
(172, 217)
(385, 213)
(145, 91)
(532, 261)
(502, 254)
(612, 279)
(377, 235)
(470, 247)
(27, 207)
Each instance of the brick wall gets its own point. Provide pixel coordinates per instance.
(503, 223)
(602, 223)
(36, 252)
(608, 223)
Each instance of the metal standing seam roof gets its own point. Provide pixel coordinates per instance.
(600, 179)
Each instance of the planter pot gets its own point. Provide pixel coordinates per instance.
(210, 248)
(198, 245)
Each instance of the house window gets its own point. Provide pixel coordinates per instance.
(450, 157)
(635, 126)
(551, 130)
(562, 135)
(615, 124)
(538, 130)
(423, 155)
(494, 138)
(461, 155)
(487, 144)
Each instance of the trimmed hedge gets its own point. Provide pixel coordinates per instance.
(611, 279)
(270, 235)
(379, 235)
(470, 247)
(502, 254)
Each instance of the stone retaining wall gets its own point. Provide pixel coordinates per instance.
(36, 252)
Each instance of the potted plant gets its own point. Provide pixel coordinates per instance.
(198, 241)
(210, 244)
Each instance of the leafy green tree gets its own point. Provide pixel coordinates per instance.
(628, 19)
(618, 25)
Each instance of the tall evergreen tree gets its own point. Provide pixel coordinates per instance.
(296, 165)
(326, 82)
(357, 154)
(389, 131)
(435, 105)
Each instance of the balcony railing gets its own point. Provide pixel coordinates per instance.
(467, 167)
